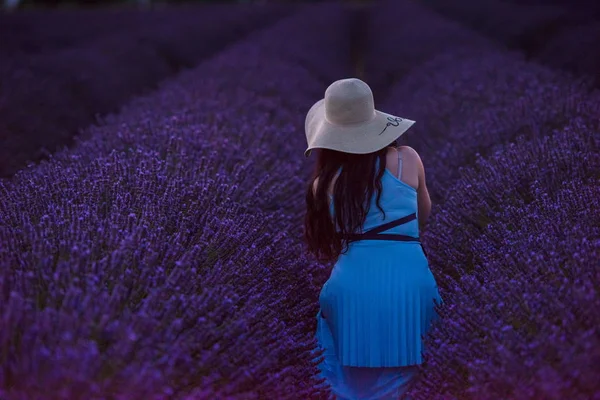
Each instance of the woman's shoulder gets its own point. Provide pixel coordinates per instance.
(413, 171)
(407, 153)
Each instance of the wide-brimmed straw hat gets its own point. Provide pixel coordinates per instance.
(346, 120)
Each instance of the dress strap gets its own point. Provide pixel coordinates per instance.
(399, 165)
(375, 233)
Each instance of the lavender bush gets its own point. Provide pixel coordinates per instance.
(191, 227)
(521, 275)
(507, 182)
(466, 104)
(150, 247)
(141, 278)
(256, 107)
(66, 90)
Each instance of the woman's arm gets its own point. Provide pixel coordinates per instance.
(423, 199)
(415, 176)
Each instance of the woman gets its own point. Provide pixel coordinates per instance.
(366, 204)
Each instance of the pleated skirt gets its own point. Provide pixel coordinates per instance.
(374, 310)
(359, 383)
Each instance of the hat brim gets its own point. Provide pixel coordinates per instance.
(362, 138)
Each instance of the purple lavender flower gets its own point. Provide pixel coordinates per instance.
(523, 325)
(515, 249)
(160, 257)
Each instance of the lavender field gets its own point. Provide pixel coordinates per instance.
(559, 33)
(71, 67)
(159, 255)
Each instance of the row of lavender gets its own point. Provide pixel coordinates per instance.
(559, 36)
(160, 256)
(593, 9)
(47, 96)
(512, 152)
(43, 30)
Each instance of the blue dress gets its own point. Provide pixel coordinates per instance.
(378, 302)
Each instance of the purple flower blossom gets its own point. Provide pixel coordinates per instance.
(523, 268)
(161, 255)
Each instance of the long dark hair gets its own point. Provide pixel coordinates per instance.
(358, 181)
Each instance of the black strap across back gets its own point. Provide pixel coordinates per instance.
(375, 233)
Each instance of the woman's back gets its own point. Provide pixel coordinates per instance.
(398, 199)
(405, 191)
(372, 300)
